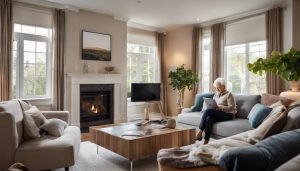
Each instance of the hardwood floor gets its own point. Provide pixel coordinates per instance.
(85, 137)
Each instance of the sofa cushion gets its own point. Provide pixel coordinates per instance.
(198, 104)
(269, 99)
(244, 104)
(291, 165)
(24, 105)
(293, 119)
(272, 125)
(37, 115)
(192, 118)
(31, 130)
(257, 114)
(50, 152)
(54, 127)
(269, 154)
(232, 127)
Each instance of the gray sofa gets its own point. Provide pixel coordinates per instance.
(228, 128)
(43, 153)
(240, 141)
(291, 165)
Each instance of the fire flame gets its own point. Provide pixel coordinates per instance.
(94, 110)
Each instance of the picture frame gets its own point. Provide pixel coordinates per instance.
(96, 46)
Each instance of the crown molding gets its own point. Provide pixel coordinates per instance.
(49, 4)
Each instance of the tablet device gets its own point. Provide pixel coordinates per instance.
(210, 103)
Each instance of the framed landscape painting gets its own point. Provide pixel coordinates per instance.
(96, 46)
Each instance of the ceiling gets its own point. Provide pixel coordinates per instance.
(167, 14)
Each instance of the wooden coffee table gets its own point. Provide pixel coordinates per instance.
(112, 138)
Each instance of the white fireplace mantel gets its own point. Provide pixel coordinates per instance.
(93, 78)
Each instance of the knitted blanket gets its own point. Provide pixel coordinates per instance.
(201, 155)
(182, 158)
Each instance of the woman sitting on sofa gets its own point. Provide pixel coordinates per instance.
(226, 109)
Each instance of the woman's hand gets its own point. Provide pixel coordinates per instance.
(220, 107)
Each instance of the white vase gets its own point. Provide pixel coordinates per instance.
(295, 85)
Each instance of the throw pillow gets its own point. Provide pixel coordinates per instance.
(257, 114)
(37, 115)
(198, 104)
(272, 125)
(276, 107)
(25, 106)
(31, 130)
(293, 105)
(269, 99)
(54, 127)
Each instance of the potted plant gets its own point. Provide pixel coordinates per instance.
(285, 65)
(182, 79)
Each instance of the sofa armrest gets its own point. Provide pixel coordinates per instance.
(186, 110)
(63, 115)
(291, 165)
(8, 139)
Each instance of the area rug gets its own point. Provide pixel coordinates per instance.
(105, 160)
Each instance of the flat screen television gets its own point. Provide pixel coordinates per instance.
(145, 92)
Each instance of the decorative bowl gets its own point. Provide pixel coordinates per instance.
(109, 68)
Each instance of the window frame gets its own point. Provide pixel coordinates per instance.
(20, 38)
(247, 60)
(205, 34)
(143, 54)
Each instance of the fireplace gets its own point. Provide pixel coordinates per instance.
(96, 104)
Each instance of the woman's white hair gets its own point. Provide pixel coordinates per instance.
(220, 81)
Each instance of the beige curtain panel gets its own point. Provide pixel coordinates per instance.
(275, 85)
(5, 49)
(197, 55)
(161, 39)
(217, 35)
(59, 58)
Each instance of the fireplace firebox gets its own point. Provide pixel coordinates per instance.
(96, 104)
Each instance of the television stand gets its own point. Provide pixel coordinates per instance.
(147, 109)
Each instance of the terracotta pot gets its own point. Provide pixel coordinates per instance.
(295, 85)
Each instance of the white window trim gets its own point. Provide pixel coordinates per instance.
(20, 37)
(139, 74)
(247, 73)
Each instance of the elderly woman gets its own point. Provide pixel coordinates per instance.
(226, 109)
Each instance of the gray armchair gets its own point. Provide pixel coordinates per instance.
(43, 153)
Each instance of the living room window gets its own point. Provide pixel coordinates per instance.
(239, 79)
(31, 62)
(243, 44)
(206, 61)
(142, 60)
(141, 65)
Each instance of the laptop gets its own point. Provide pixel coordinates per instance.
(210, 103)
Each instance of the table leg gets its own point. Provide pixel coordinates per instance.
(131, 165)
(97, 142)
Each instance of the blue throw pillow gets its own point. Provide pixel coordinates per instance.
(198, 104)
(257, 114)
